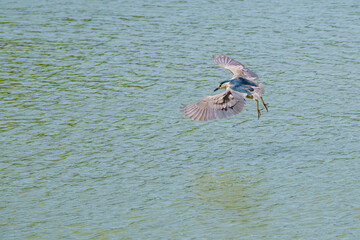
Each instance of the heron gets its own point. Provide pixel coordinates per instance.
(232, 101)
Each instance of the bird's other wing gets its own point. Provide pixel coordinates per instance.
(237, 68)
(221, 105)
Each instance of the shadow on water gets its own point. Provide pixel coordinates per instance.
(232, 202)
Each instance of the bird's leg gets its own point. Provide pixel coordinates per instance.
(265, 105)
(258, 110)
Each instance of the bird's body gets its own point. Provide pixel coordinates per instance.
(242, 85)
(232, 101)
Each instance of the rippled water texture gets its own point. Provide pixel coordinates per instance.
(94, 146)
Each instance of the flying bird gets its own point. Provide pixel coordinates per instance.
(231, 102)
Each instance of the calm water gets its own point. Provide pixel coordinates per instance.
(93, 145)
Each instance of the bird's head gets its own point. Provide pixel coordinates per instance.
(222, 85)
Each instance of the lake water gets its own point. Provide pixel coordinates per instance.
(93, 144)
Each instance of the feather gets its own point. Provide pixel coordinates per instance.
(221, 105)
(237, 68)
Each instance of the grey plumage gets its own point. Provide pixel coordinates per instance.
(221, 105)
(237, 68)
(232, 101)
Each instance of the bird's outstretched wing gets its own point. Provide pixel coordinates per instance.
(221, 105)
(237, 68)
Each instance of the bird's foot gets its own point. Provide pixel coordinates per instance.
(266, 105)
(259, 113)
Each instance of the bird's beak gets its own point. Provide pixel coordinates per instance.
(216, 89)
